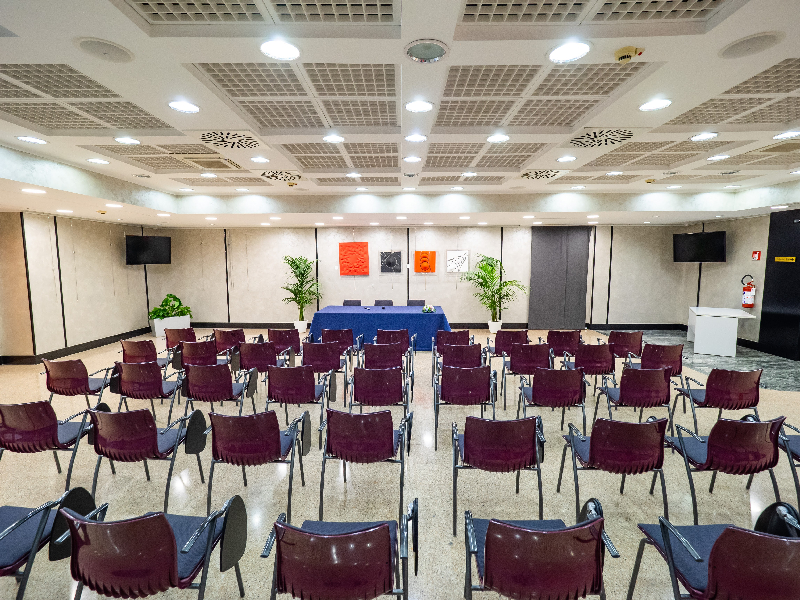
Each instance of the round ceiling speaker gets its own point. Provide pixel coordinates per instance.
(426, 51)
(104, 50)
(752, 44)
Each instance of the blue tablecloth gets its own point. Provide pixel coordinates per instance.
(366, 320)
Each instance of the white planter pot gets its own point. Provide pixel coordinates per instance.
(159, 325)
(301, 326)
(494, 326)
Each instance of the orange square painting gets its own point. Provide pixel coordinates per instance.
(353, 258)
(425, 261)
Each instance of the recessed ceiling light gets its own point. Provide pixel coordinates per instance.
(578, 187)
(614, 173)
(786, 135)
(497, 138)
(127, 140)
(361, 189)
(673, 187)
(208, 175)
(536, 223)
(353, 175)
(242, 190)
(566, 158)
(416, 137)
(280, 50)
(568, 52)
(333, 139)
(142, 175)
(409, 189)
(717, 216)
(529, 217)
(337, 218)
(592, 216)
(647, 222)
(266, 224)
(319, 224)
(592, 223)
(401, 218)
(97, 161)
(794, 173)
(463, 218)
(274, 218)
(427, 223)
(162, 215)
(419, 106)
(412, 159)
(779, 207)
(457, 188)
(702, 137)
(732, 186)
(656, 104)
(469, 174)
(259, 159)
(718, 157)
(482, 223)
(114, 205)
(30, 139)
(374, 223)
(184, 107)
(185, 190)
(211, 218)
(32, 191)
(63, 210)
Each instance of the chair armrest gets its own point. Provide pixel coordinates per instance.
(594, 511)
(322, 425)
(540, 430)
(107, 369)
(577, 432)
(295, 423)
(793, 428)
(471, 340)
(271, 539)
(784, 514)
(523, 380)
(209, 520)
(411, 517)
(469, 531)
(693, 380)
(308, 338)
(600, 342)
(454, 432)
(175, 422)
(691, 433)
(671, 529)
(100, 512)
(30, 515)
(68, 419)
(284, 351)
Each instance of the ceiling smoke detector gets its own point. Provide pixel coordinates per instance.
(626, 54)
(104, 50)
(426, 51)
(752, 44)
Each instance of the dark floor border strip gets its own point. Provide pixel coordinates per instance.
(485, 325)
(226, 325)
(61, 353)
(636, 326)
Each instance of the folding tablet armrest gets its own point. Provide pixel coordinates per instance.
(574, 430)
(271, 539)
(691, 433)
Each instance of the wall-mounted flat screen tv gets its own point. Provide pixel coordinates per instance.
(147, 250)
(699, 247)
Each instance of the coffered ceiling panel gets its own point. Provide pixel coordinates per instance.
(587, 80)
(252, 80)
(56, 80)
(468, 81)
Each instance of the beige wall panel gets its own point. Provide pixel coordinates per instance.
(15, 316)
(257, 272)
(597, 290)
(196, 275)
(517, 263)
(40, 241)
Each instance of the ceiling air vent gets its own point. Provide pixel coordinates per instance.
(229, 139)
(281, 175)
(602, 137)
(542, 174)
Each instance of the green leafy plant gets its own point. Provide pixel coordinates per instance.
(303, 287)
(492, 291)
(171, 306)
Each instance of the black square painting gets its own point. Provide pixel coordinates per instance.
(390, 262)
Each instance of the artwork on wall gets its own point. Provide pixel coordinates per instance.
(353, 258)
(390, 262)
(457, 261)
(425, 261)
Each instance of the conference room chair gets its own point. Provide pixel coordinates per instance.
(364, 439)
(724, 390)
(743, 447)
(260, 356)
(619, 448)
(174, 337)
(132, 436)
(594, 360)
(538, 559)
(286, 340)
(553, 389)
(624, 343)
(463, 387)
(214, 383)
(638, 388)
(328, 559)
(70, 378)
(255, 440)
(791, 444)
(142, 381)
(351, 303)
(228, 339)
(726, 561)
(447, 338)
(33, 427)
(504, 339)
(498, 447)
(386, 356)
(400, 336)
(384, 303)
(415, 303)
(143, 351)
(296, 385)
(26, 531)
(563, 341)
(524, 359)
(348, 345)
(379, 387)
(196, 353)
(155, 552)
(326, 359)
(657, 356)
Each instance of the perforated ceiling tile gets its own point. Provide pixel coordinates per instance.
(283, 114)
(379, 180)
(312, 148)
(778, 79)
(49, 115)
(342, 11)
(553, 113)
(782, 111)
(515, 148)
(641, 147)
(455, 161)
(613, 159)
(363, 161)
(616, 178)
(511, 161)
(466, 113)
(134, 150)
(248, 80)
(655, 10)
(367, 148)
(778, 160)
(198, 11)
(165, 162)
(689, 146)
(215, 163)
(58, 81)
(587, 80)
(331, 79)
(666, 158)
(121, 114)
(9, 90)
(202, 181)
(455, 148)
(187, 149)
(257, 180)
(469, 81)
(439, 180)
(486, 179)
(793, 146)
(524, 11)
(717, 111)
(334, 180)
(361, 113)
(601, 137)
(571, 178)
(703, 178)
(321, 161)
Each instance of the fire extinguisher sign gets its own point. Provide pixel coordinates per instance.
(756, 254)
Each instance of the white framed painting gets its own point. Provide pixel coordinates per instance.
(457, 261)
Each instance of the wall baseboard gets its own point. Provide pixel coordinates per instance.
(636, 326)
(223, 325)
(485, 325)
(62, 352)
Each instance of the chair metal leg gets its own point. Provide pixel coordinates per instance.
(289, 494)
(50, 400)
(58, 464)
(541, 496)
(794, 473)
(636, 566)
(96, 472)
(274, 591)
(518, 481)
(111, 464)
(775, 485)
(169, 479)
(23, 581)
(563, 414)
(210, 487)
(200, 468)
(435, 422)
(714, 480)
(663, 493)
(239, 579)
(691, 489)
(622, 485)
(583, 410)
(79, 590)
(204, 577)
(88, 404)
(694, 412)
(322, 486)
(146, 469)
(577, 487)
(300, 458)
(561, 471)
(749, 481)
(455, 494)
(244, 476)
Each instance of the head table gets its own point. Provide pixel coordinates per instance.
(366, 320)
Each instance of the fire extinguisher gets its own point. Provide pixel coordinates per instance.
(748, 292)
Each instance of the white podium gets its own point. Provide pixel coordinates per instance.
(714, 330)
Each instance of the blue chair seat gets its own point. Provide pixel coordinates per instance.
(16, 546)
(581, 447)
(68, 432)
(286, 441)
(611, 392)
(696, 451)
(794, 445)
(183, 528)
(96, 384)
(698, 395)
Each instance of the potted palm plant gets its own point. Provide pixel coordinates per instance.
(491, 289)
(170, 314)
(303, 288)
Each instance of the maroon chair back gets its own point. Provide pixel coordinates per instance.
(366, 438)
(67, 377)
(333, 567)
(294, 385)
(557, 388)
(31, 427)
(246, 441)
(463, 357)
(630, 448)
(595, 359)
(500, 446)
(564, 341)
(343, 338)
(323, 357)
(176, 336)
(139, 352)
(655, 356)
(466, 386)
(128, 436)
(506, 338)
(378, 387)
(622, 342)
(522, 563)
(125, 559)
(198, 353)
(644, 388)
(140, 380)
(394, 336)
(258, 356)
(225, 339)
(384, 356)
(743, 447)
(452, 338)
(284, 338)
(732, 390)
(526, 358)
(208, 383)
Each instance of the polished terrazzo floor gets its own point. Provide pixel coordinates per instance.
(371, 490)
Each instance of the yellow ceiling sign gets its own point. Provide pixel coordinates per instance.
(785, 258)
